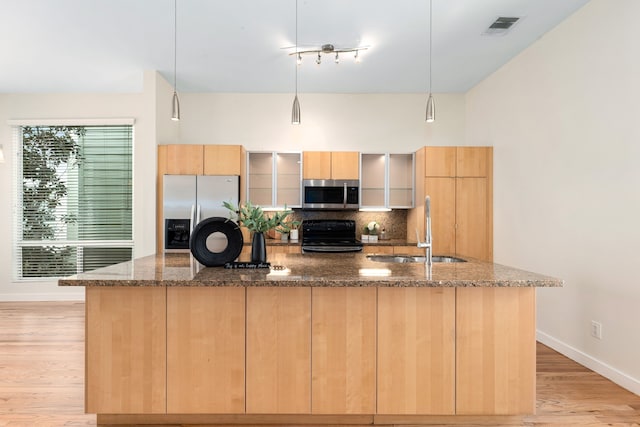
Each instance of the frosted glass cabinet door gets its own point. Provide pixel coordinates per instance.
(260, 182)
(289, 167)
(401, 177)
(274, 179)
(373, 181)
(387, 180)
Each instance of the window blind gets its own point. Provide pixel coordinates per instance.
(73, 199)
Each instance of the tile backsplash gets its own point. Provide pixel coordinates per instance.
(394, 222)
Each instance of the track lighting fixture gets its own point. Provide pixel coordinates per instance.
(327, 49)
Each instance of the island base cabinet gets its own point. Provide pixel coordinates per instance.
(496, 354)
(278, 352)
(125, 350)
(343, 351)
(205, 350)
(416, 329)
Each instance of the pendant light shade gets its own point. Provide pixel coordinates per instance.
(295, 110)
(175, 104)
(431, 107)
(1, 154)
(175, 110)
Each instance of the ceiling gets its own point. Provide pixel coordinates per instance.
(240, 45)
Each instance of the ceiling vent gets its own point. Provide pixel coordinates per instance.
(501, 26)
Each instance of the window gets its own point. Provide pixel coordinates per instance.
(73, 199)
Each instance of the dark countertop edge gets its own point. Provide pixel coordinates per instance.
(330, 283)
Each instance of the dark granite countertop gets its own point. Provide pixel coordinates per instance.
(329, 270)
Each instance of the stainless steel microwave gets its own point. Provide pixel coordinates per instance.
(331, 194)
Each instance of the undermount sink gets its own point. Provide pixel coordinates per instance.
(413, 258)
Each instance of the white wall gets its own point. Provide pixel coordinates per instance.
(563, 118)
(363, 122)
(141, 107)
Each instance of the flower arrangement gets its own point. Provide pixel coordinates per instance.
(372, 228)
(370, 232)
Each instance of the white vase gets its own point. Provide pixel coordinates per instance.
(293, 234)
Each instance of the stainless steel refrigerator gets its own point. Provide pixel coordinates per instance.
(189, 199)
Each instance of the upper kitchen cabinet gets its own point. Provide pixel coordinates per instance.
(386, 180)
(439, 161)
(185, 159)
(223, 159)
(331, 165)
(274, 179)
(459, 181)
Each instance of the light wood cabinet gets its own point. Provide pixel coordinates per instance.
(125, 350)
(330, 165)
(278, 353)
(442, 192)
(184, 159)
(459, 181)
(439, 161)
(495, 351)
(223, 159)
(387, 351)
(416, 356)
(343, 344)
(386, 180)
(205, 350)
(473, 231)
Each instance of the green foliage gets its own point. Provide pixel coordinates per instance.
(287, 226)
(45, 152)
(255, 219)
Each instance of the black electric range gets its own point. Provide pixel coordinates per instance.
(330, 235)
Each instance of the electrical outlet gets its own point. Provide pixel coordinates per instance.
(596, 329)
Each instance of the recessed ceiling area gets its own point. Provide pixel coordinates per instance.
(240, 45)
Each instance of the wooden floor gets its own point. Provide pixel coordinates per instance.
(42, 370)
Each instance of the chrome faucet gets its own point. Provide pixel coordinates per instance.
(428, 243)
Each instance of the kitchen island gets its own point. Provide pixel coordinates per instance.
(316, 338)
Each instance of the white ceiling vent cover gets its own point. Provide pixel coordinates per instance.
(502, 25)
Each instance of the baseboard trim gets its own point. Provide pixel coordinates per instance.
(607, 371)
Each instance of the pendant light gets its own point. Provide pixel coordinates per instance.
(295, 110)
(175, 108)
(431, 107)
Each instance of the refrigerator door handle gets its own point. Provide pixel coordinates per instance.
(198, 214)
(192, 218)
